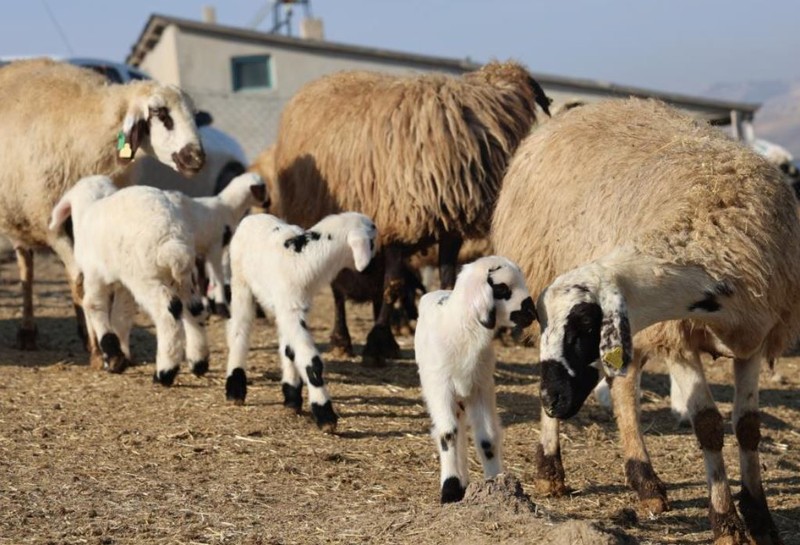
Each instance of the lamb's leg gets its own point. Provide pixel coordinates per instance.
(62, 246)
(97, 305)
(165, 307)
(638, 469)
(380, 341)
(446, 431)
(708, 428)
(299, 348)
(341, 344)
(243, 312)
(27, 331)
(746, 422)
(197, 352)
(217, 277)
(291, 382)
(449, 246)
(487, 432)
(123, 310)
(549, 469)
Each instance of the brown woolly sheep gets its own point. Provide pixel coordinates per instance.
(649, 216)
(61, 123)
(422, 155)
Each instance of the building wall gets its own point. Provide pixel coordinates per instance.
(201, 64)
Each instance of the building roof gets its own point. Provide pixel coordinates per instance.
(716, 111)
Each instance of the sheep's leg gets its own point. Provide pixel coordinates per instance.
(482, 413)
(449, 246)
(381, 343)
(62, 246)
(97, 304)
(340, 341)
(447, 419)
(165, 307)
(708, 428)
(197, 352)
(638, 469)
(746, 422)
(243, 312)
(291, 382)
(123, 310)
(299, 348)
(216, 275)
(549, 469)
(27, 331)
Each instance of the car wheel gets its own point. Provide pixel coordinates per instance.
(228, 173)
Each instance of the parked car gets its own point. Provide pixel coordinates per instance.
(225, 158)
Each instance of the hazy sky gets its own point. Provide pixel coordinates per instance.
(675, 45)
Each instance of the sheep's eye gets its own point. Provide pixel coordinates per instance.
(163, 115)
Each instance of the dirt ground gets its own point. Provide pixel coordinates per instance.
(89, 457)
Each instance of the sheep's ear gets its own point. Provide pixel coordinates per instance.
(259, 192)
(616, 345)
(480, 296)
(61, 212)
(134, 131)
(361, 245)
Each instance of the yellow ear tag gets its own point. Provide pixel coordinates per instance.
(125, 151)
(613, 357)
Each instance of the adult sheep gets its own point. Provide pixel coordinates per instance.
(651, 216)
(422, 155)
(61, 123)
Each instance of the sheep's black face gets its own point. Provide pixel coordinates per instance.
(563, 393)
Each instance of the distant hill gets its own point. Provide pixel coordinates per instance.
(778, 120)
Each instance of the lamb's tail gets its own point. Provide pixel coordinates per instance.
(177, 256)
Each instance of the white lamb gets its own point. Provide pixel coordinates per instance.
(453, 346)
(213, 221)
(282, 267)
(132, 245)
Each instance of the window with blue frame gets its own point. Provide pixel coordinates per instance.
(254, 72)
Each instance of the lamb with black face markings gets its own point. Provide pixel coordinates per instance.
(282, 267)
(453, 347)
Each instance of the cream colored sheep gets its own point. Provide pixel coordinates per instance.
(423, 155)
(648, 216)
(61, 123)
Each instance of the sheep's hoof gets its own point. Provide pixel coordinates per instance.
(758, 519)
(653, 506)
(165, 377)
(26, 337)
(324, 416)
(96, 360)
(236, 386)
(554, 488)
(452, 491)
(292, 397)
(117, 364)
(340, 347)
(380, 346)
(200, 368)
(728, 528)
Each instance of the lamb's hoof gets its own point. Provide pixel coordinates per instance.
(654, 506)
(452, 491)
(339, 350)
(165, 377)
(222, 310)
(554, 488)
(381, 346)
(236, 386)
(728, 528)
(26, 337)
(200, 368)
(114, 359)
(324, 416)
(292, 397)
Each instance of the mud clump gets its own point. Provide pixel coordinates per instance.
(504, 490)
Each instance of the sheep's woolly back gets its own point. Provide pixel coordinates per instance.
(640, 173)
(60, 123)
(418, 154)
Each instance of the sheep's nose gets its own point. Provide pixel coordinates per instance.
(190, 159)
